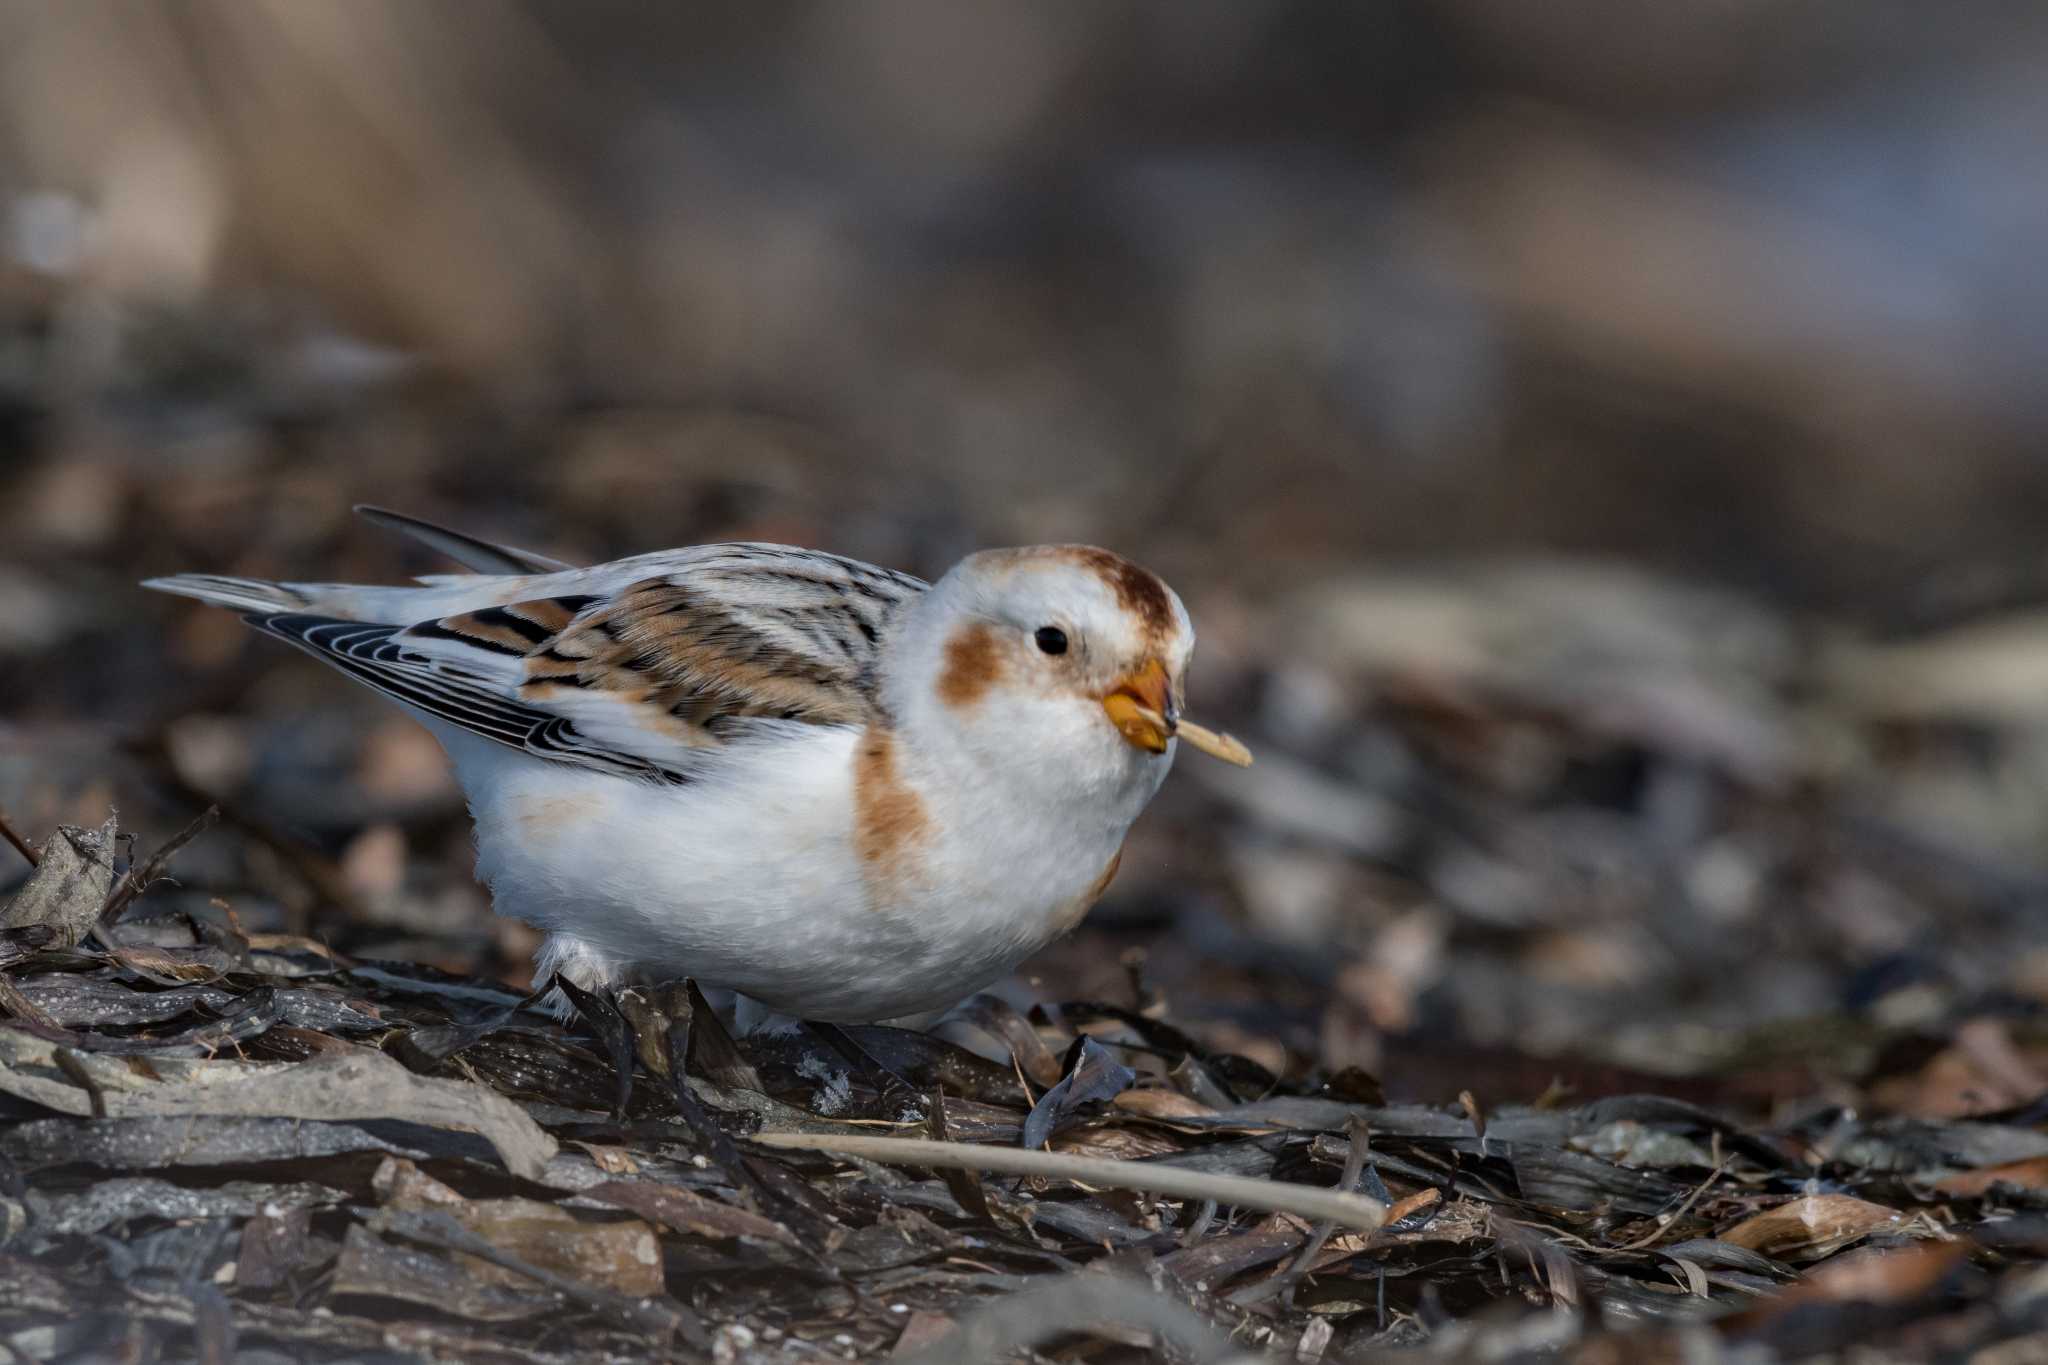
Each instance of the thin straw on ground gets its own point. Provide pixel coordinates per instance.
(1305, 1201)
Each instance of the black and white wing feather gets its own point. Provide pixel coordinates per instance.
(478, 556)
(637, 668)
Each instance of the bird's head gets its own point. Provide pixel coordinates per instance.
(1063, 660)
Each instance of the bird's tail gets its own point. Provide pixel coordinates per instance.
(251, 595)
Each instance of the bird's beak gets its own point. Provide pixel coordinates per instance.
(1140, 705)
(1141, 708)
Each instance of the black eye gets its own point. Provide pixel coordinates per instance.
(1051, 639)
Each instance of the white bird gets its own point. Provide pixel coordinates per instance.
(831, 788)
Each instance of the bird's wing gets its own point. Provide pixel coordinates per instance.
(478, 556)
(643, 677)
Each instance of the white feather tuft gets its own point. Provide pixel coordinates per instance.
(241, 594)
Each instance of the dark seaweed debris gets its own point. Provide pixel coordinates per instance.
(257, 1146)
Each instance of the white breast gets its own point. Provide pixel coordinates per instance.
(760, 877)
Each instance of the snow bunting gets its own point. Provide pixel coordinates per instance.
(832, 788)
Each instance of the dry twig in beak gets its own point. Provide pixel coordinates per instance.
(1215, 744)
(1210, 742)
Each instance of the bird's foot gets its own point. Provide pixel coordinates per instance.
(600, 1010)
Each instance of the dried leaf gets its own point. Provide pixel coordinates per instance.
(1000, 1019)
(712, 1050)
(922, 1331)
(1162, 1104)
(1093, 1075)
(685, 1211)
(186, 1141)
(1419, 1202)
(1129, 1143)
(109, 1203)
(1627, 1142)
(1213, 1263)
(400, 1183)
(72, 880)
(1812, 1226)
(1559, 1178)
(374, 1268)
(274, 1245)
(610, 1160)
(442, 1228)
(621, 1257)
(2031, 1174)
(1695, 1277)
(360, 1084)
(1873, 1276)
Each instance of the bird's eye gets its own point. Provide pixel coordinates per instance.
(1051, 639)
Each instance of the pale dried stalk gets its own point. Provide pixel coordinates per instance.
(1215, 743)
(1273, 1196)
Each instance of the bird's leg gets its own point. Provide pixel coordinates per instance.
(600, 1010)
(713, 1053)
(718, 1147)
(590, 986)
(648, 1011)
(895, 1092)
(660, 1024)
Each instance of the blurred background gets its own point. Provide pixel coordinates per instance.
(1602, 446)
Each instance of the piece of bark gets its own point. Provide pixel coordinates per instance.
(273, 1246)
(73, 878)
(373, 1268)
(622, 1256)
(1210, 1264)
(686, 1211)
(359, 1084)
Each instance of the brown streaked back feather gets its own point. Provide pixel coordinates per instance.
(638, 676)
(685, 652)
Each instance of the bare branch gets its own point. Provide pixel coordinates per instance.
(21, 845)
(135, 881)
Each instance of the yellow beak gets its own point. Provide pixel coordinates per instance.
(1141, 707)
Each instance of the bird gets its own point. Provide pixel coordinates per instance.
(834, 790)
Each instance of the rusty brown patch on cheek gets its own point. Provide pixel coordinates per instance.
(1071, 914)
(889, 818)
(973, 663)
